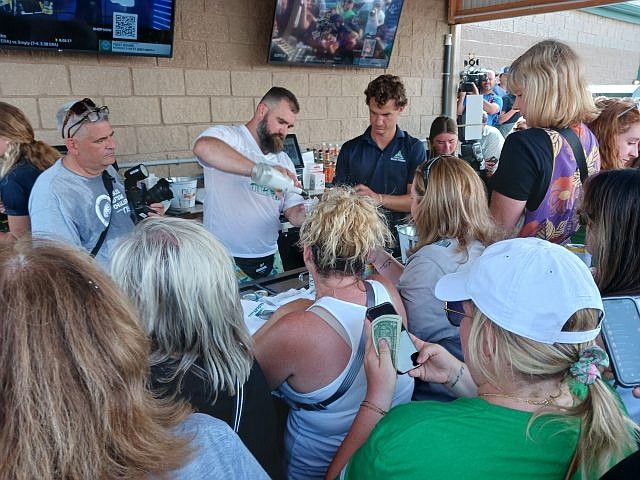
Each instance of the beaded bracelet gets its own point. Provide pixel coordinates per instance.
(373, 407)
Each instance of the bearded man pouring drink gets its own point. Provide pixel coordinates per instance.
(243, 215)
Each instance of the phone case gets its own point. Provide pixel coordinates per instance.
(621, 335)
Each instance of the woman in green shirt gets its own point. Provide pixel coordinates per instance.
(536, 407)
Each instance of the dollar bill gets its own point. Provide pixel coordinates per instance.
(387, 327)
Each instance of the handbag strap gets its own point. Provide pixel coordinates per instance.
(578, 152)
(354, 368)
(239, 406)
(107, 180)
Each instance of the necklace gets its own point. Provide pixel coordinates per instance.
(546, 402)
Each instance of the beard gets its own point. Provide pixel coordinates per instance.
(269, 142)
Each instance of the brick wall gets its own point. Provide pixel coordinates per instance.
(217, 75)
(610, 49)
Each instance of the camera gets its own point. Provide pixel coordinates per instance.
(140, 199)
(472, 74)
(471, 152)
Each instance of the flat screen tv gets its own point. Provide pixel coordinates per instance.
(122, 27)
(334, 32)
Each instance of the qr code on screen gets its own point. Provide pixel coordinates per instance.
(125, 26)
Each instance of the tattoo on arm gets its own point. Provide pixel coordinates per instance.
(386, 264)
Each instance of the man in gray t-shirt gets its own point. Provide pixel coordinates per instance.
(70, 200)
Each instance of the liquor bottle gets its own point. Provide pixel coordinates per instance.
(267, 176)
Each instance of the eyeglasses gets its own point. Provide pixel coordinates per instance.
(426, 169)
(88, 111)
(455, 312)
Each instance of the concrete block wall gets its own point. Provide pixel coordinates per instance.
(217, 75)
(610, 49)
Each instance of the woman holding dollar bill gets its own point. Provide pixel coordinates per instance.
(313, 355)
(450, 211)
(536, 404)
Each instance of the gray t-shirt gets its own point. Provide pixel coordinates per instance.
(218, 452)
(74, 209)
(425, 313)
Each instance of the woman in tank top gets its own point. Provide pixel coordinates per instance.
(308, 349)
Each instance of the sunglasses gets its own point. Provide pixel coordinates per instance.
(624, 112)
(455, 312)
(426, 169)
(88, 111)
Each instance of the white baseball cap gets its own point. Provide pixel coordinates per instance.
(527, 286)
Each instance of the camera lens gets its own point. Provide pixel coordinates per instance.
(160, 192)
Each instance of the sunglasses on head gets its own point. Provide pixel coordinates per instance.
(455, 312)
(627, 110)
(426, 169)
(87, 110)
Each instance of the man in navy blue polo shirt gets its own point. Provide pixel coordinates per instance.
(381, 162)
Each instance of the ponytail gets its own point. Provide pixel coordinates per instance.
(40, 154)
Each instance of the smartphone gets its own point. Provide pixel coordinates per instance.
(621, 335)
(406, 352)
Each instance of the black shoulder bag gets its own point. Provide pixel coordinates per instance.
(108, 184)
(578, 152)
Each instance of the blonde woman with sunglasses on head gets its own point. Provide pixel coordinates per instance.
(450, 212)
(23, 159)
(536, 405)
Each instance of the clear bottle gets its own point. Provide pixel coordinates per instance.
(267, 176)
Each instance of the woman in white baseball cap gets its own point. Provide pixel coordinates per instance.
(529, 312)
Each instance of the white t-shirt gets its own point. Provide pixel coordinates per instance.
(491, 143)
(245, 217)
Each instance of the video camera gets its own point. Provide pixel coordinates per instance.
(140, 199)
(471, 152)
(472, 74)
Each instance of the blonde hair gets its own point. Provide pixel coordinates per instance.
(454, 204)
(73, 376)
(182, 280)
(549, 76)
(15, 127)
(616, 117)
(606, 433)
(342, 230)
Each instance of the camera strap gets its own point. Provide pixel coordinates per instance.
(578, 152)
(107, 180)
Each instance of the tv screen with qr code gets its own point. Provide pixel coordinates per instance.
(334, 32)
(120, 27)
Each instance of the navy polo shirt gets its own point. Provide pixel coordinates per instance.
(387, 171)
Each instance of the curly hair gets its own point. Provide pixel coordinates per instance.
(342, 230)
(387, 87)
